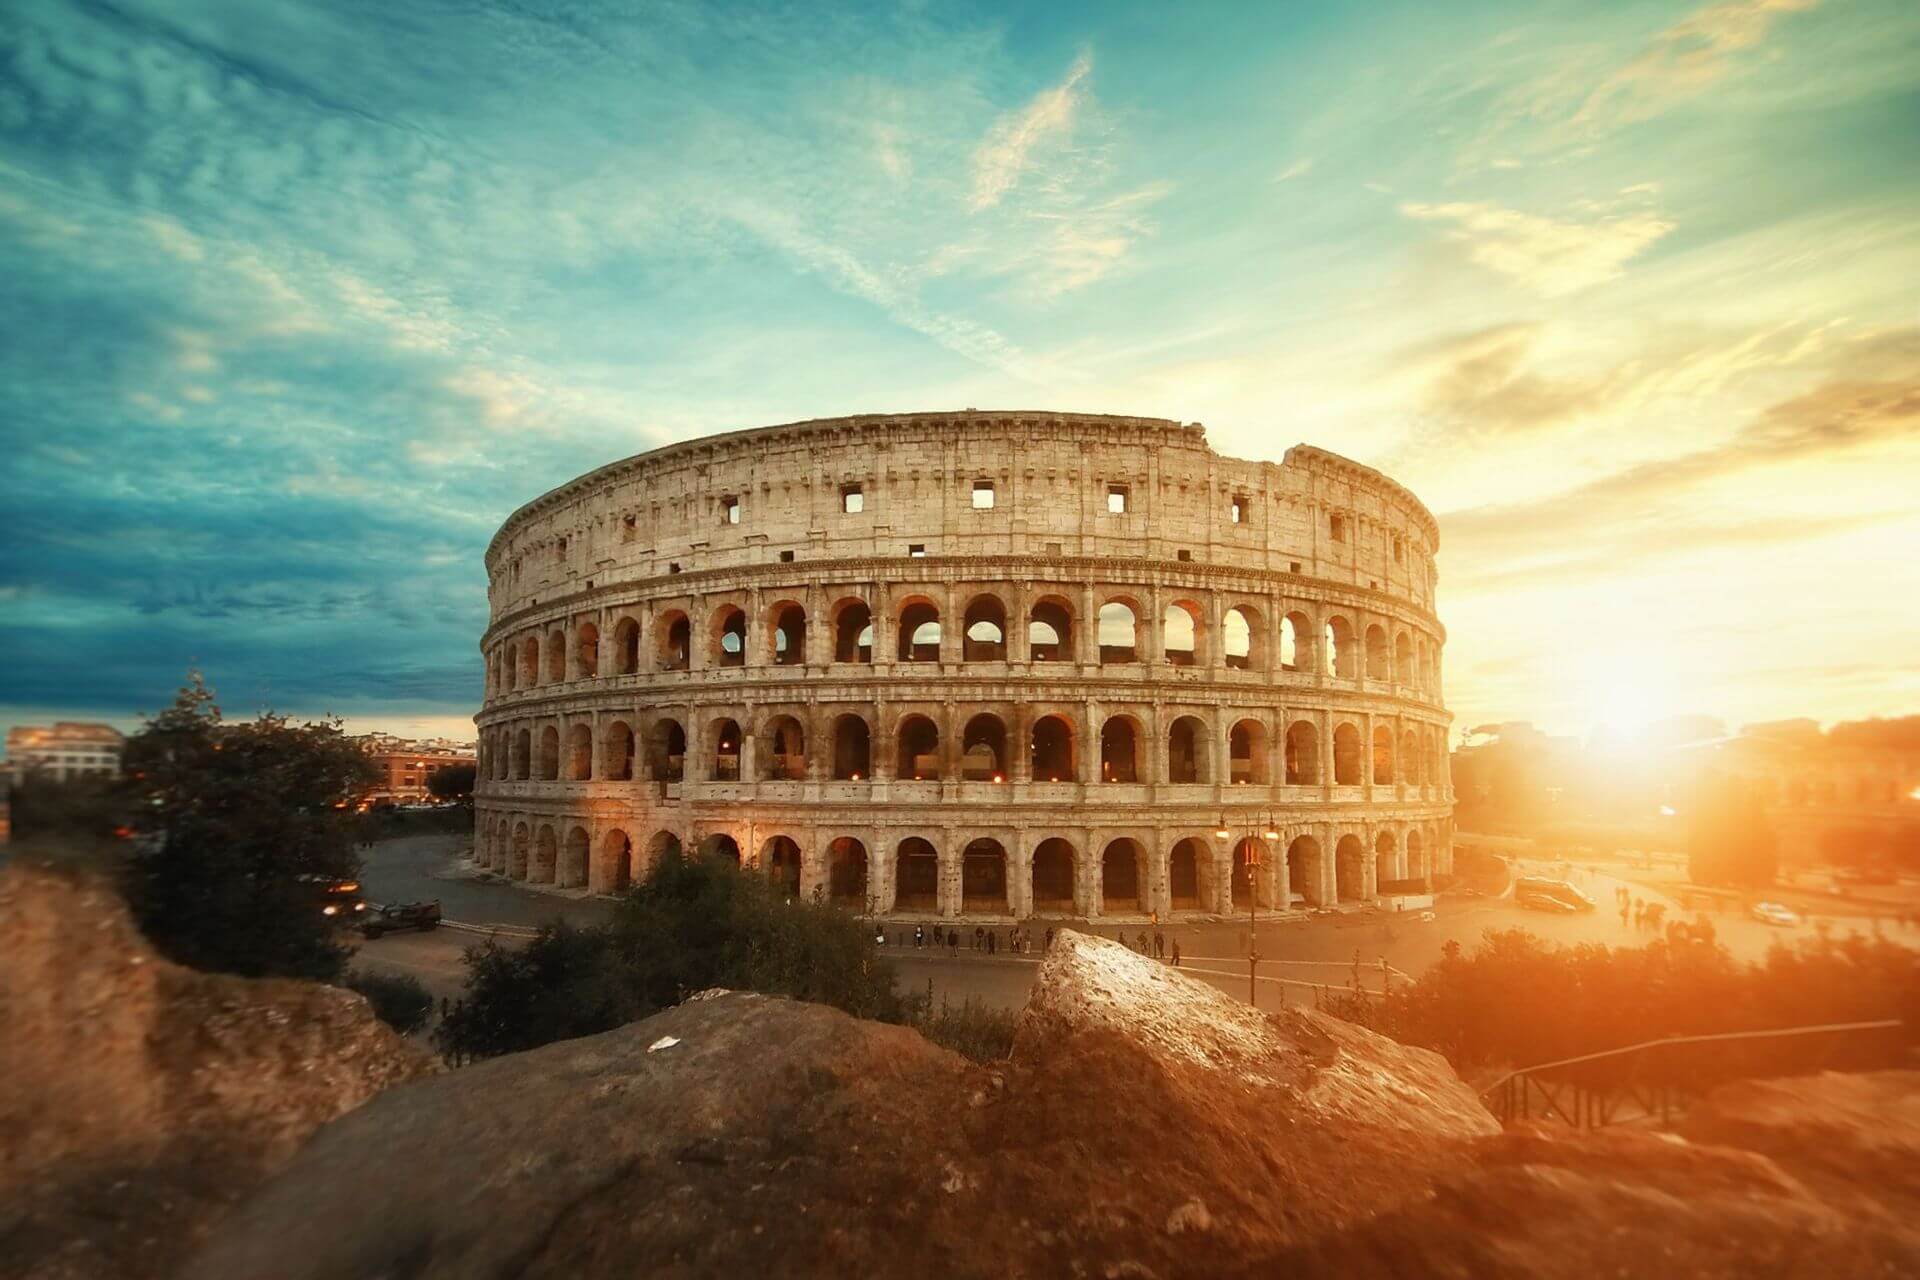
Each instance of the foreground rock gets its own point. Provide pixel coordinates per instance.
(139, 1099)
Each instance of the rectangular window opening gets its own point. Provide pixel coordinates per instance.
(983, 495)
(1338, 527)
(1237, 512)
(673, 566)
(1116, 499)
(1183, 554)
(916, 549)
(1293, 566)
(786, 557)
(730, 509)
(852, 500)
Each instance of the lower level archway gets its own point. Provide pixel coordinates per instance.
(1350, 869)
(781, 858)
(1053, 877)
(721, 845)
(573, 859)
(1188, 867)
(847, 873)
(616, 861)
(1303, 872)
(1123, 877)
(916, 876)
(983, 877)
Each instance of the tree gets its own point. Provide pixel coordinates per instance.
(397, 999)
(453, 782)
(1729, 838)
(88, 807)
(239, 829)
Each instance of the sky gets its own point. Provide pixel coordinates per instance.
(302, 299)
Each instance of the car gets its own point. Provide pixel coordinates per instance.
(401, 915)
(1773, 913)
(1546, 902)
(1564, 895)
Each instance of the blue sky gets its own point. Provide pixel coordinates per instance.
(303, 299)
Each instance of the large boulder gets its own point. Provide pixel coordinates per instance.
(141, 1098)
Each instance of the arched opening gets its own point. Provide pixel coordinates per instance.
(664, 844)
(852, 749)
(550, 754)
(546, 857)
(1346, 756)
(789, 635)
(785, 756)
(626, 646)
(1239, 636)
(1123, 877)
(984, 634)
(916, 876)
(1382, 755)
(573, 860)
(521, 854)
(1303, 871)
(853, 632)
(983, 749)
(1349, 869)
(1302, 755)
(586, 645)
(530, 662)
(1404, 668)
(1417, 858)
(557, 657)
(676, 642)
(1296, 642)
(729, 637)
(781, 858)
(726, 750)
(1187, 751)
(1247, 752)
(1385, 862)
(1180, 634)
(1379, 658)
(1118, 633)
(847, 873)
(920, 632)
(1050, 631)
(1341, 658)
(1244, 880)
(580, 752)
(1052, 757)
(616, 861)
(1410, 764)
(983, 877)
(919, 755)
(667, 751)
(1189, 866)
(720, 846)
(1119, 750)
(1053, 877)
(523, 755)
(616, 753)
(512, 664)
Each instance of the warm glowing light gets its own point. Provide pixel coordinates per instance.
(1626, 702)
(998, 778)
(1667, 811)
(1914, 794)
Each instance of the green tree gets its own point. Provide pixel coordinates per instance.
(398, 1000)
(1729, 837)
(452, 782)
(88, 807)
(238, 829)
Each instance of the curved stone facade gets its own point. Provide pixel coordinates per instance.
(971, 665)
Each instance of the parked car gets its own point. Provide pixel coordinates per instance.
(401, 915)
(1774, 913)
(1563, 896)
(1545, 902)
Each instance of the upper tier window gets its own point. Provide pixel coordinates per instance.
(730, 509)
(1338, 526)
(851, 499)
(983, 495)
(1116, 499)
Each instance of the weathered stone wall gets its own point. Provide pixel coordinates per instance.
(675, 657)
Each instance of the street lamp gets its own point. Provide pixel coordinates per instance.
(1251, 851)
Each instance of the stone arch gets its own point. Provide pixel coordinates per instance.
(1189, 875)
(1385, 857)
(1379, 656)
(1410, 762)
(1242, 639)
(1050, 630)
(1247, 752)
(1342, 656)
(916, 875)
(616, 752)
(1121, 754)
(523, 754)
(727, 638)
(787, 634)
(1417, 868)
(918, 749)
(1188, 758)
(1349, 869)
(520, 857)
(673, 641)
(1346, 755)
(720, 845)
(725, 736)
(852, 748)
(1051, 878)
(667, 750)
(1382, 755)
(512, 666)
(626, 647)
(556, 657)
(580, 751)
(1123, 877)
(1404, 669)
(780, 858)
(847, 872)
(549, 753)
(783, 750)
(530, 661)
(586, 649)
(1296, 642)
(1246, 876)
(616, 862)
(1051, 754)
(546, 856)
(1303, 871)
(983, 629)
(1183, 634)
(662, 844)
(1117, 631)
(573, 860)
(983, 877)
(983, 749)
(919, 635)
(852, 631)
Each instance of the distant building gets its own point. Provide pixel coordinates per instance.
(406, 764)
(69, 749)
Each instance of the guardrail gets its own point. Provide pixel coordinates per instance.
(1527, 1093)
(515, 932)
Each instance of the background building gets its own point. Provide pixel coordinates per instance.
(67, 749)
(405, 765)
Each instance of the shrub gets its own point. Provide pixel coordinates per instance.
(974, 1029)
(397, 999)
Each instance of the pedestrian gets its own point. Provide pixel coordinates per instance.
(1049, 942)
(992, 937)
(1159, 945)
(919, 939)
(1176, 953)
(953, 942)
(979, 937)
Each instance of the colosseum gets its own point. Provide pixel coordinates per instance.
(980, 665)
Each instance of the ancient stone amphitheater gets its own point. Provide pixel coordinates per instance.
(972, 665)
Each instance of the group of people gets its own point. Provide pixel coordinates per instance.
(1638, 912)
(1019, 940)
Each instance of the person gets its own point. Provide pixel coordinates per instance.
(979, 937)
(1176, 953)
(1625, 911)
(879, 937)
(953, 941)
(992, 940)
(919, 937)
(1159, 944)
(1049, 943)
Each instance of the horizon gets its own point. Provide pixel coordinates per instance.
(308, 300)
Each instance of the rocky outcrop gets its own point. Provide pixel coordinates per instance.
(137, 1098)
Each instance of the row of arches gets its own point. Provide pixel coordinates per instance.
(913, 875)
(920, 748)
(1122, 632)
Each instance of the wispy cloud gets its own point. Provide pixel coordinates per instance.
(1008, 149)
(1683, 60)
(1550, 256)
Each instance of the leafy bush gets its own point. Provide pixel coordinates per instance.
(397, 999)
(973, 1029)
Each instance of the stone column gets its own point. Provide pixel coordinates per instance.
(1020, 745)
(1150, 643)
(948, 899)
(953, 625)
(1213, 645)
(756, 646)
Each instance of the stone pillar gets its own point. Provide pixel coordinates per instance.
(757, 645)
(1150, 642)
(1086, 631)
(1018, 635)
(1213, 645)
(953, 625)
(1020, 745)
(948, 898)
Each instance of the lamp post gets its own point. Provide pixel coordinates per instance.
(1252, 850)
